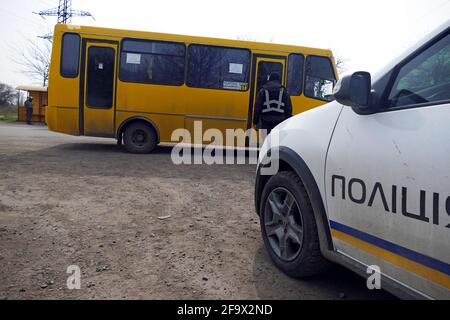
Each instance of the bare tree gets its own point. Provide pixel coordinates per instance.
(341, 64)
(246, 37)
(34, 60)
(249, 37)
(8, 96)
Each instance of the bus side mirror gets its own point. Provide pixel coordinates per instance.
(355, 91)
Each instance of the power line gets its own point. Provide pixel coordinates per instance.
(13, 14)
(64, 14)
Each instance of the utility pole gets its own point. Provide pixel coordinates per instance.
(64, 14)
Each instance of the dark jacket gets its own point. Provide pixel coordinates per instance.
(268, 120)
(29, 104)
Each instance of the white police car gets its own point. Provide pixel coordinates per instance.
(365, 180)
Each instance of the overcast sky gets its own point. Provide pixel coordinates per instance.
(367, 34)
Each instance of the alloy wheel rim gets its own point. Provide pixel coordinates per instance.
(283, 224)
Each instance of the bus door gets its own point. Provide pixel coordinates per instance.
(97, 116)
(263, 65)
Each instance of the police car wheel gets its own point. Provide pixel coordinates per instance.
(139, 138)
(288, 226)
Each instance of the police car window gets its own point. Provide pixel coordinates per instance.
(70, 55)
(154, 62)
(295, 74)
(218, 67)
(319, 78)
(424, 79)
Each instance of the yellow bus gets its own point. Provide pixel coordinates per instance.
(138, 87)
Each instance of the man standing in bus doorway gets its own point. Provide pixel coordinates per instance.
(29, 109)
(273, 104)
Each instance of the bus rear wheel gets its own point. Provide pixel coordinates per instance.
(139, 138)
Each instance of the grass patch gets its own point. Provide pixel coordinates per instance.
(8, 113)
(8, 117)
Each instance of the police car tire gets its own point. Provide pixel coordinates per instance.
(151, 139)
(310, 260)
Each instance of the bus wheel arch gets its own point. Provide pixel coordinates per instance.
(146, 129)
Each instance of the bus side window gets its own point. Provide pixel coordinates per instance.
(320, 78)
(214, 67)
(294, 81)
(70, 55)
(154, 62)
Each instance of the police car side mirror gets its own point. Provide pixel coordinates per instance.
(355, 91)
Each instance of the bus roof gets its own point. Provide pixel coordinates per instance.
(262, 46)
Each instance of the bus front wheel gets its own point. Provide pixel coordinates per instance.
(139, 138)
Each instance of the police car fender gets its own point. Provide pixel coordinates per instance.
(309, 134)
(310, 143)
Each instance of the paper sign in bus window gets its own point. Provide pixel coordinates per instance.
(232, 85)
(236, 68)
(133, 58)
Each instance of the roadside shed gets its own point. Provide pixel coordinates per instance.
(40, 100)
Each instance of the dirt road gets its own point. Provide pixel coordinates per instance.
(83, 201)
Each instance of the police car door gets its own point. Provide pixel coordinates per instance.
(388, 176)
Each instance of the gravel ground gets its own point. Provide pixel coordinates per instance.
(84, 201)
